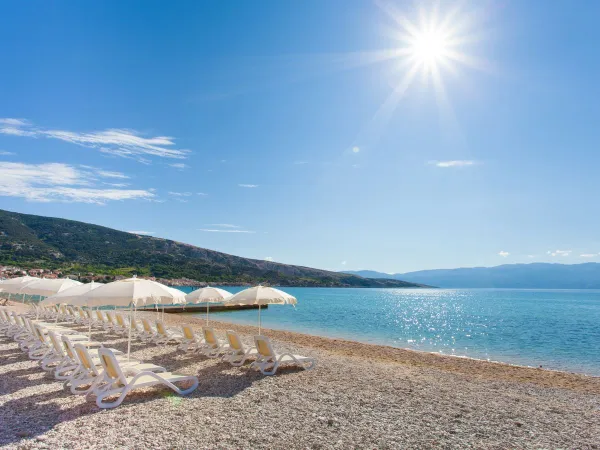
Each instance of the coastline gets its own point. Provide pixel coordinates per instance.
(491, 370)
(358, 396)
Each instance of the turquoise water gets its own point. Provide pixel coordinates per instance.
(557, 329)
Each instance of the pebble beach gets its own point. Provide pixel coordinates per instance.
(358, 396)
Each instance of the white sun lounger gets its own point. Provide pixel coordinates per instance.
(114, 381)
(238, 353)
(88, 372)
(268, 361)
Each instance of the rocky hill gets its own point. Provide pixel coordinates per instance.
(45, 242)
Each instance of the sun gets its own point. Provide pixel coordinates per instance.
(429, 47)
(430, 44)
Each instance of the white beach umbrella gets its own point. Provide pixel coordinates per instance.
(14, 285)
(47, 287)
(261, 295)
(72, 296)
(208, 295)
(132, 292)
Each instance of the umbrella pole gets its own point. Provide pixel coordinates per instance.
(90, 324)
(259, 320)
(207, 308)
(129, 340)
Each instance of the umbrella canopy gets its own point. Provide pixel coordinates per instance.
(14, 285)
(261, 295)
(133, 291)
(208, 295)
(47, 287)
(72, 296)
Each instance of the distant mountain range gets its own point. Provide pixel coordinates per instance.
(525, 276)
(75, 247)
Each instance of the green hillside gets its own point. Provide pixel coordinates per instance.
(44, 242)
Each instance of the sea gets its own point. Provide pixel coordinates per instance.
(554, 329)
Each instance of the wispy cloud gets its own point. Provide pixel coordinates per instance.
(117, 185)
(453, 163)
(179, 166)
(559, 252)
(503, 254)
(248, 185)
(589, 255)
(14, 122)
(58, 182)
(143, 233)
(107, 174)
(343, 263)
(268, 258)
(355, 149)
(113, 141)
(222, 225)
(180, 194)
(3, 153)
(201, 194)
(214, 230)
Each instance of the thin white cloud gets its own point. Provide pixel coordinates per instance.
(14, 122)
(213, 230)
(453, 163)
(143, 233)
(559, 252)
(503, 254)
(57, 182)
(180, 194)
(222, 225)
(268, 258)
(248, 185)
(107, 174)
(180, 166)
(202, 194)
(3, 153)
(343, 263)
(531, 256)
(118, 185)
(589, 255)
(114, 141)
(355, 149)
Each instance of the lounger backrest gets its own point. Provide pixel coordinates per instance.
(147, 326)
(85, 359)
(120, 320)
(264, 347)
(69, 350)
(58, 348)
(160, 327)
(209, 336)
(110, 316)
(188, 332)
(40, 334)
(111, 366)
(234, 340)
(99, 315)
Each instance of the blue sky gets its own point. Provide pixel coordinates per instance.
(293, 130)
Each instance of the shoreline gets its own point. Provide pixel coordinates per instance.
(391, 348)
(490, 370)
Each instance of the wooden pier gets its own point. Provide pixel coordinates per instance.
(192, 308)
